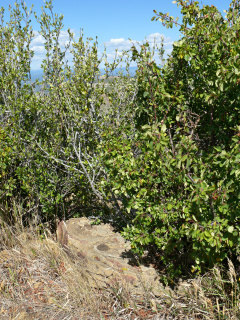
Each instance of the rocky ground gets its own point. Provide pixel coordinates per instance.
(108, 259)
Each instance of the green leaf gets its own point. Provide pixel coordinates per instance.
(145, 94)
(230, 229)
(163, 128)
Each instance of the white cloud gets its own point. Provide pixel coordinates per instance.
(122, 44)
(158, 38)
(38, 49)
(38, 39)
(119, 44)
(116, 42)
(126, 44)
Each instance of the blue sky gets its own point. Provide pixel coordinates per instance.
(113, 21)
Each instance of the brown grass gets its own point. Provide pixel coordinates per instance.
(41, 280)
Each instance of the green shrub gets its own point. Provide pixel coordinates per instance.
(6, 164)
(178, 176)
(58, 122)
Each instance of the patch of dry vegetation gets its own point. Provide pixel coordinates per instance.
(41, 280)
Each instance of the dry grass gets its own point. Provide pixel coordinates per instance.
(41, 280)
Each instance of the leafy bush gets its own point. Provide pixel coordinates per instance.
(177, 177)
(56, 123)
(6, 162)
